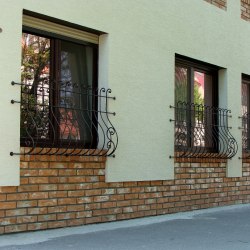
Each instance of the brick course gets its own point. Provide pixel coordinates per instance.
(222, 4)
(245, 10)
(69, 191)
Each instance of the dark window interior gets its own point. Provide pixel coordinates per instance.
(57, 100)
(245, 108)
(196, 101)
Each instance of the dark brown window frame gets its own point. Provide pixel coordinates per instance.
(193, 65)
(245, 117)
(55, 38)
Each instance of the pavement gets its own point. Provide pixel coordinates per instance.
(215, 228)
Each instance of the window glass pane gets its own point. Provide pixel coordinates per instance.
(35, 96)
(75, 101)
(199, 87)
(245, 116)
(208, 86)
(244, 98)
(203, 117)
(181, 78)
(181, 95)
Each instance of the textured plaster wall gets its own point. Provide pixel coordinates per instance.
(137, 63)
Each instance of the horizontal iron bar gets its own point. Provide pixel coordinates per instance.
(207, 156)
(66, 91)
(110, 97)
(94, 155)
(62, 107)
(199, 108)
(15, 83)
(13, 101)
(90, 110)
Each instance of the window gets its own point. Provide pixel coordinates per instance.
(63, 112)
(201, 127)
(245, 107)
(196, 102)
(57, 75)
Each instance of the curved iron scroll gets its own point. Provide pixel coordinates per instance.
(69, 120)
(202, 131)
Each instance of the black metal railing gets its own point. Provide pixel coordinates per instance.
(65, 118)
(245, 118)
(202, 132)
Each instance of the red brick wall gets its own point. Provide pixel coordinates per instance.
(245, 10)
(245, 7)
(70, 191)
(222, 4)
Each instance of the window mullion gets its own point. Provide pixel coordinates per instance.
(189, 107)
(191, 85)
(54, 88)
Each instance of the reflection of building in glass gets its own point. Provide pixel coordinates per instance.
(199, 81)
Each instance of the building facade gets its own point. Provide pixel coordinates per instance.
(115, 110)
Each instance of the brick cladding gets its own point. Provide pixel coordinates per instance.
(69, 191)
(222, 4)
(245, 10)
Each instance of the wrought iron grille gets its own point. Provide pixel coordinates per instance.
(245, 135)
(202, 132)
(66, 118)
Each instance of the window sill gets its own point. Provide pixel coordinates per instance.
(199, 158)
(63, 154)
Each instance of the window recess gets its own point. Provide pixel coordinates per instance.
(245, 116)
(201, 127)
(63, 112)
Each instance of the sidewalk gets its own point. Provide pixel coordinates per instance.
(216, 228)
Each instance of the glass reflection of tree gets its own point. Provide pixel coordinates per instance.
(35, 70)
